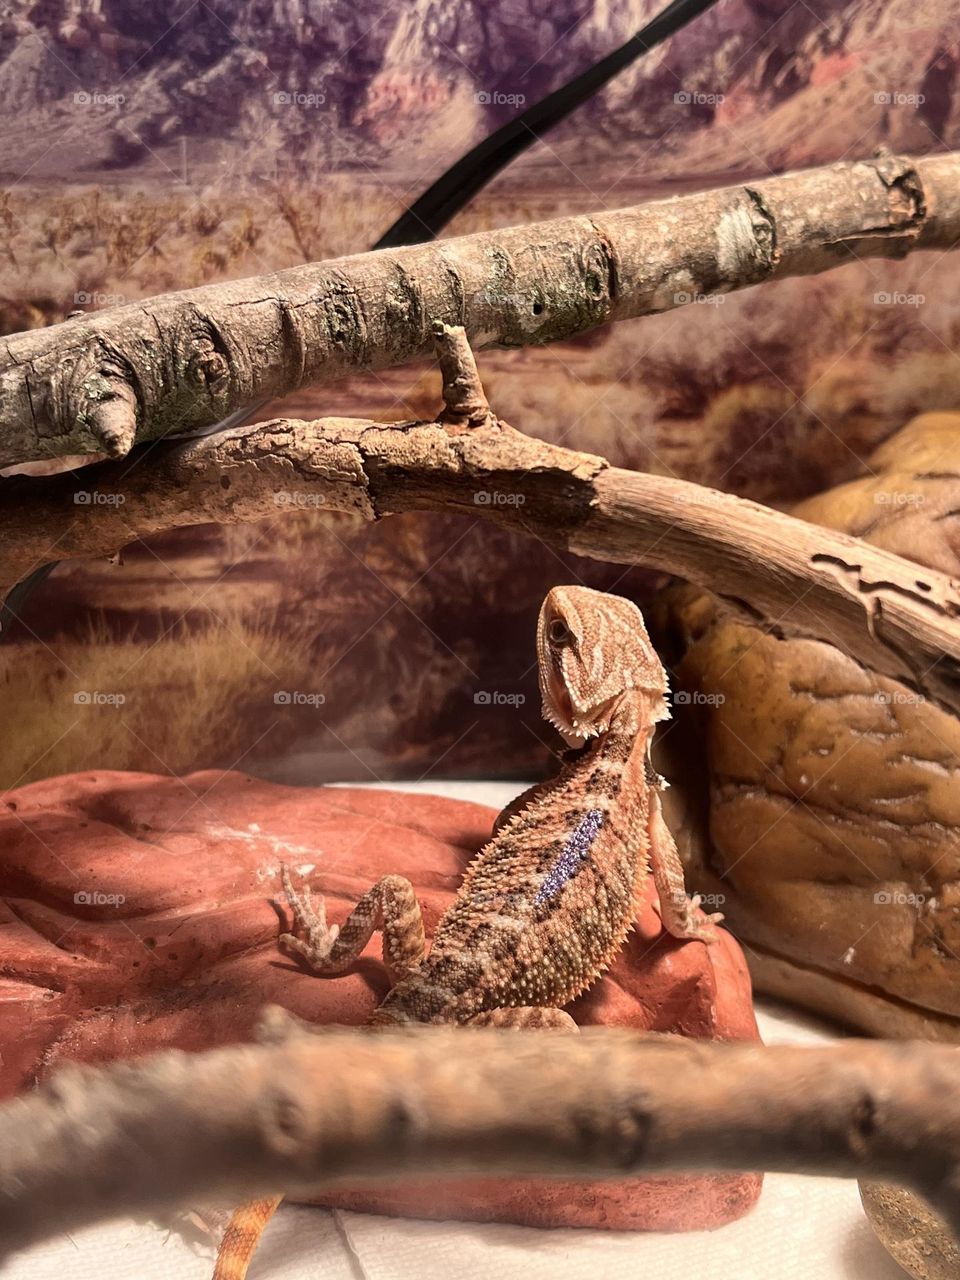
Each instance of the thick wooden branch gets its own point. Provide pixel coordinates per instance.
(336, 1107)
(901, 620)
(177, 363)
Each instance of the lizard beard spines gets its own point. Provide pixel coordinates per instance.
(593, 649)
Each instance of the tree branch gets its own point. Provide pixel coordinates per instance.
(181, 362)
(890, 614)
(336, 1107)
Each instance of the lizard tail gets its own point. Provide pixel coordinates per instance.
(242, 1237)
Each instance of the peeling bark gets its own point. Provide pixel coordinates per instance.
(330, 1108)
(98, 383)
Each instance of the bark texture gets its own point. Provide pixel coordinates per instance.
(100, 383)
(314, 1110)
(796, 578)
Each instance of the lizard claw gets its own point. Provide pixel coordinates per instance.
(309, 916)
(704, 922)
(715, 916)
(695, 925)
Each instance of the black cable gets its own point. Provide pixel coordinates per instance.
(17, 596)
(430, 214)
(454, 189)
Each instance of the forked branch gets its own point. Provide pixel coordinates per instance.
(901, 620)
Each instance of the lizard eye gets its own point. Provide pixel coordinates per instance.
(559, 631)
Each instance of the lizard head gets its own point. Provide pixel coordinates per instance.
(592, 648)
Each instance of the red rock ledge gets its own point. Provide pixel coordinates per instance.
(137, 913)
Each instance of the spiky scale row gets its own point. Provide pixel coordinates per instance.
(546, 905)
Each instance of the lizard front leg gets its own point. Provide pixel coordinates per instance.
(681, 915)
(390, 905)
(525, 1018)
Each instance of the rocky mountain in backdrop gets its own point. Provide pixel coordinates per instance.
(154, 147)
(94, 87)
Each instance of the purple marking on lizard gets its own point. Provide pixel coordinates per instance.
(571, 855)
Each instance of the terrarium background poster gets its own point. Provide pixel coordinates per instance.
(154, 148)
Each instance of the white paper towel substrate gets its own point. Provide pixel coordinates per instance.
(802, 1228)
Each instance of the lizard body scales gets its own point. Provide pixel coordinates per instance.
(547, 903)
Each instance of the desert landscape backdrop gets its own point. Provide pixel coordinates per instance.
(155, 148)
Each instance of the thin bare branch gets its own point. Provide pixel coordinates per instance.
(338, 1107)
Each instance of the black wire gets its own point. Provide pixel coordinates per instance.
(427, 217)
(455, 188)
(17, 596)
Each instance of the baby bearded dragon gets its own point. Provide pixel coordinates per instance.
(546, 905)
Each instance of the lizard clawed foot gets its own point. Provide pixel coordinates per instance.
(688, 922)
(311, 918)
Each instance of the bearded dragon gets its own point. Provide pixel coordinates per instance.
(546, 905)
